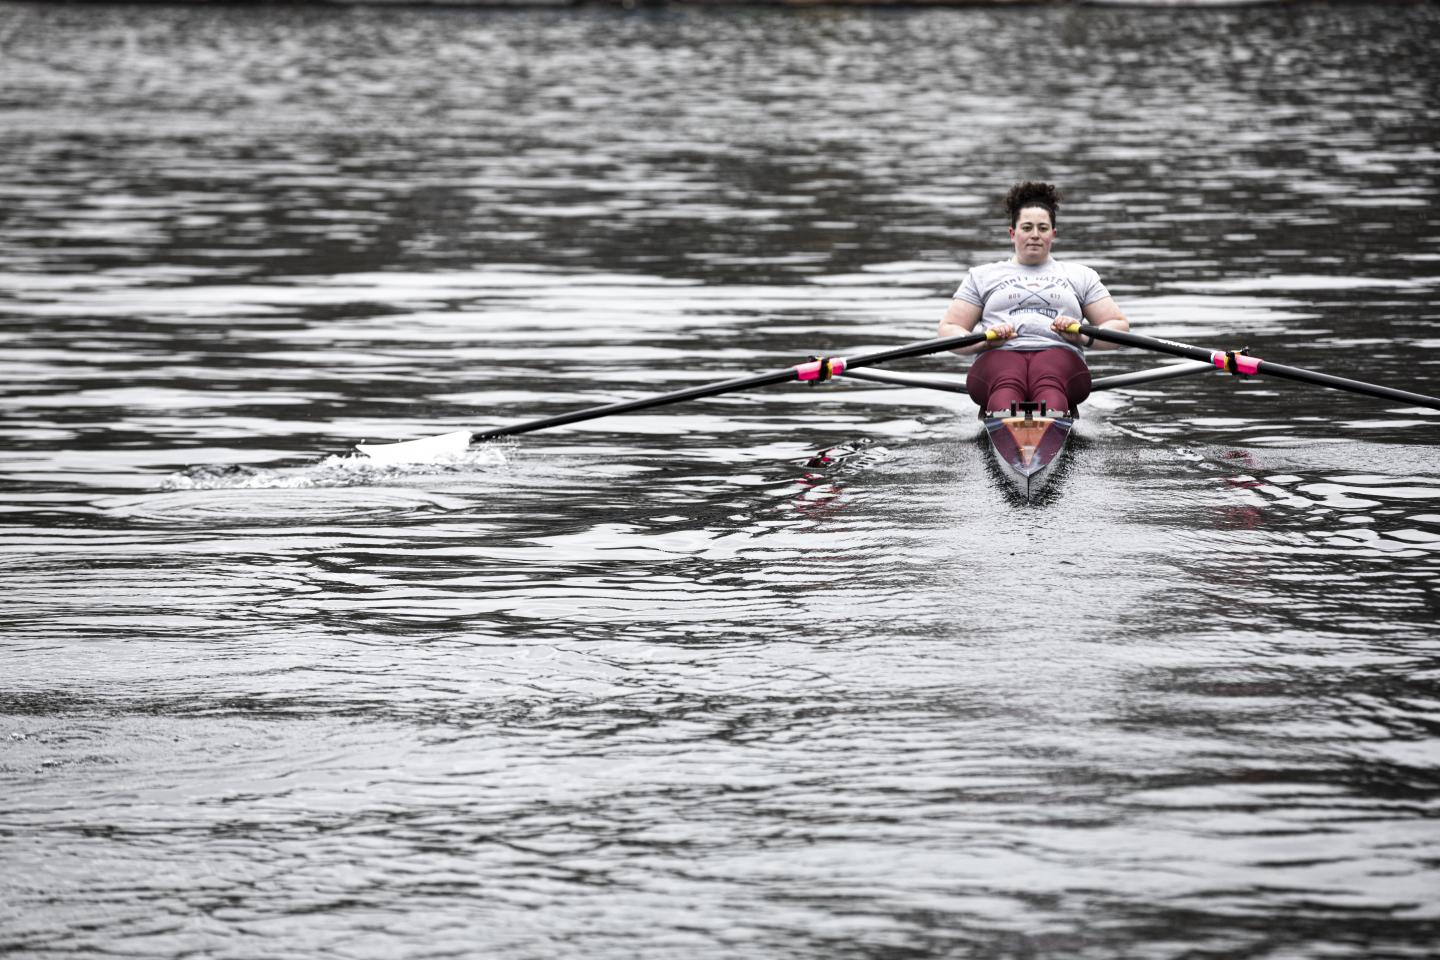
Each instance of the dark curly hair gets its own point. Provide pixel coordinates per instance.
(1033, 193)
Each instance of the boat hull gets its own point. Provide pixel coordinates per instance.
(1028, 449)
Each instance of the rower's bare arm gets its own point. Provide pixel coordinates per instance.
(959, 320)
(1105, 312)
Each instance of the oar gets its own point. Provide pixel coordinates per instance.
(821, 368)
(1240, 363)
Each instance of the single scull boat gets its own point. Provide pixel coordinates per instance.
(1027, 447)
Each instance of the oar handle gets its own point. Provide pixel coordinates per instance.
(1243, 364)
(821, 368)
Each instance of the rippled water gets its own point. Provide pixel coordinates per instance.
(781, 674)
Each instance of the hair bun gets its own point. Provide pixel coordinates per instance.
(1032, 193)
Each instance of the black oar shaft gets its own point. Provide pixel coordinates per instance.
(644, 403)
(1240, 363)
(1344, 383)
(918, 349)
(1150, 343)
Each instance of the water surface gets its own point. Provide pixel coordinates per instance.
(782, 674)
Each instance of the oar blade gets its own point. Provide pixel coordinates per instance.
(424, 450)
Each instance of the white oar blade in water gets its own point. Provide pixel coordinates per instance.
(423, 450)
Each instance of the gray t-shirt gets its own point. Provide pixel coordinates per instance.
(1029, 298)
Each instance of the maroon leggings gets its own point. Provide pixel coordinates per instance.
(1055, 377)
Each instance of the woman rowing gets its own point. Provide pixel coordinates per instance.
(1029, 301)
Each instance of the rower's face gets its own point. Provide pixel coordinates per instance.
(1032, 235)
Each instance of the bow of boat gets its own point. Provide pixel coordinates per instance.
(1028, 448)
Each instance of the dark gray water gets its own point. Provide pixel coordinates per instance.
(785, 674)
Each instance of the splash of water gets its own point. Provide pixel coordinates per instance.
(352, 470)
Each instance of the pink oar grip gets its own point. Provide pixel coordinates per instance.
(816, 369)
(1243, 364)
